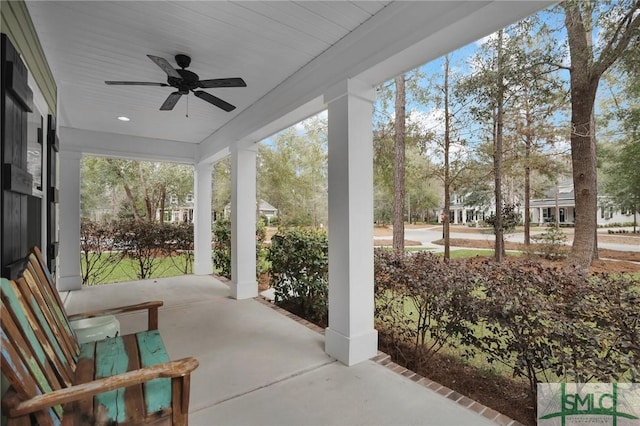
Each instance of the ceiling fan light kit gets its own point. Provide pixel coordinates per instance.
(186, 81)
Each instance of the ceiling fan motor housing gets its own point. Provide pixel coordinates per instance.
(189, 80)
(183, 61)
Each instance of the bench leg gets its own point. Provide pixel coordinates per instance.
(180, 394)
(153, 318)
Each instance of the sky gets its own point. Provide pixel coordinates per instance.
(429, 117)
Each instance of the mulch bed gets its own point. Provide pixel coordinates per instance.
(507, 396)
(611, 260)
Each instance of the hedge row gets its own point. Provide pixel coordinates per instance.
(543, 322)
(103, 245)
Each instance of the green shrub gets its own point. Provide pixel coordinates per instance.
(596, 332)
(422, 303)
(96, 250)
(511, 218)
(104, 246)
(515, 313)
(179, 240)
(545, 323)
(299, 272)
(551, 244)
(222, 247)
(144, 242)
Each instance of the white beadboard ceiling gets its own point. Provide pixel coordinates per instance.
(88, 42)
(267, 43)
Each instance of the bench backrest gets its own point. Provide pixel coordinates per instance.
(44, 282)
(39, 348)
(30, 360)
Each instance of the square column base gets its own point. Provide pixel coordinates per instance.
(200, 268)
(69, 283)
(244, 290)
(351, 350)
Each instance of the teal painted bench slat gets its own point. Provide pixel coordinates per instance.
(111, 359)
(157, 393)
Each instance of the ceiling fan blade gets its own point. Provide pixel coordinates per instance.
(135, 83)
(165, 65)
(214, 100)
(171, 101)
(222, 82)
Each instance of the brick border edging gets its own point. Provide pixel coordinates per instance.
(385, 360)
(286, 313)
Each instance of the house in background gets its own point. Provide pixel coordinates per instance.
(459, 212)
(264, 209)
(559, 201)
(267, 210)
(178, 212)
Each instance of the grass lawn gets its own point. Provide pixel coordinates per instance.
(409, 248)
(417, 248)
(466, 253)
(128, 269)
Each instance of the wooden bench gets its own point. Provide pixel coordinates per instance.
(54, 380)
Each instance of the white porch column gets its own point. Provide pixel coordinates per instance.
(202, 263)
(69, 278)
(540, 217)
(464, 216)
(455, 216)
(350, 337)
(243, 223)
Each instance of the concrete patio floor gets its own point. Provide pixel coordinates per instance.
(260, 367)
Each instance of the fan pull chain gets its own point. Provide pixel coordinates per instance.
(187, 106)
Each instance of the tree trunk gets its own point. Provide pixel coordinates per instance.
(583, 157)
(132, 201)
(583, 87)
(147, 199)
(585, 76)
(527, 174)
(556, 211)
(497, 156)
(163, 195)
(398, 167)
(447, 171)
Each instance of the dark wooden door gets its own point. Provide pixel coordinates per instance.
(15, 102)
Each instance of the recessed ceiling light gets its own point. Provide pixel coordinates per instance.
(123, 118)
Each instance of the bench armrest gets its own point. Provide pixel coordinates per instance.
(152, 307)
(172, 369)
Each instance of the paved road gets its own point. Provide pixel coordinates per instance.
(433, 233)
